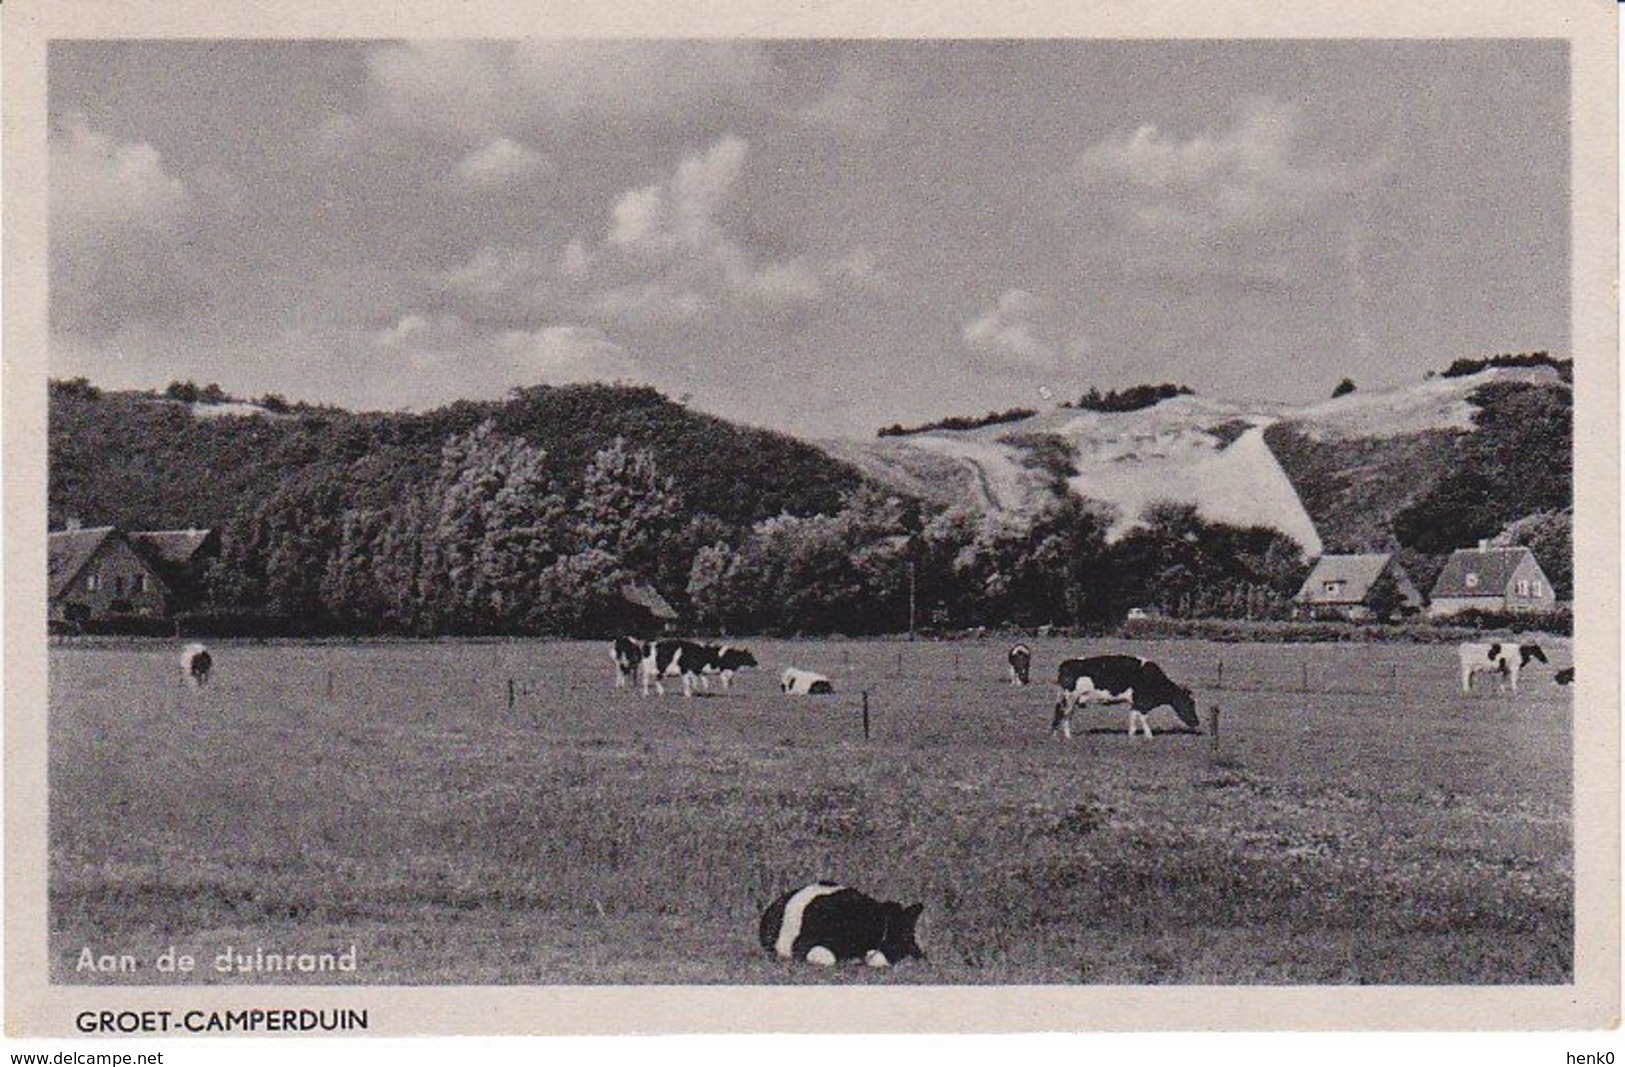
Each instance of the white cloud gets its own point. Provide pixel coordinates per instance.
(671, 230)
(453, 87)
(1248, 175)
(562, 354)
(1008, 331)
(502, 162)
(657, 302)
(99, 184)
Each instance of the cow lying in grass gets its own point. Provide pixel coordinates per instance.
(797, 682)
(1130, 680)
(1500, 658)
(825, 923)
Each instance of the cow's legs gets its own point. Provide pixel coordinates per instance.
(688, 684)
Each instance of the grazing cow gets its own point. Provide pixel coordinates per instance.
(725, 661)
(1021, 664)
(673, 659)
(196, 663)
(1564, 676)
(797, 682)
(1130, 680)
(825, 923)
(1502, 658)
(629, 652)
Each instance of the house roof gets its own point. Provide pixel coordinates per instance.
(1494, 567)
(647, 598)
(176, 547)
(68, 551)
(1356, 573)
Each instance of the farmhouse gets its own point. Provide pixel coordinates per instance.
(647, 611)
(182, 558)
(1341, 587)
(97, 572)
(1492, 579)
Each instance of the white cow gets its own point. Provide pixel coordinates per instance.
(1502, 658)
(797, 682)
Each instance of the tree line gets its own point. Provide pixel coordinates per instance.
(502, 539)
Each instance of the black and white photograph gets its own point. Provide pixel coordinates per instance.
(660, 510)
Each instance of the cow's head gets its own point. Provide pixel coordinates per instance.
(1530, 652)
(1184, 705)
(733, 659)
(898, 942)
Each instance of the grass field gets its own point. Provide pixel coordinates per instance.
(1362, 821)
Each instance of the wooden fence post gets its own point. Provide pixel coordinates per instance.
(1306, 676)
(866, 714)
(1213, 715)
(1219, 682)
(510, 694)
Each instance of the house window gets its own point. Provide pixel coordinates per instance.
(1472, 580)
(1534, 587)
(118, 585)
(93, 583)
(141, 583)
(1523, 587)
(1332, 588)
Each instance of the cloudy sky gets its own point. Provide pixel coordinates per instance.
(821, 237)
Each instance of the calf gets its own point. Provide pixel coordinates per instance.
(1021, 664)
(673, 659)
(629, 652)
(824, 923)
(1130, 680)
(196, 663)
(797, 682)
(1564, 676)
(1502, 658)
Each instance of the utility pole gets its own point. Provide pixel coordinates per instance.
(911, 605)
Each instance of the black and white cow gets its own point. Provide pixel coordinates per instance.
(1139, 683)
(673, 659)
(1021, 664)
(196, 663)
(725, 661)
(797, 682)
(1501, 658)
(825, 923)
(629, 653)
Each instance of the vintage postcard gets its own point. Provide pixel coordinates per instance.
(716, 517)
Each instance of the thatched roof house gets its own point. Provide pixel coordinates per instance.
(1341, 586)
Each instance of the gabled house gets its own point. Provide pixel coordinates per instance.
(182, 558)
(646, 610)
(96, 572)
(1492, 579)
(1341, 586)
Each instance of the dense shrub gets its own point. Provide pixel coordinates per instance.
(1133, 398)
(1461, 368)
(959, 422)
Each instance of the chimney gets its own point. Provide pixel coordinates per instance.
(1484, 544)
(73, 524)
